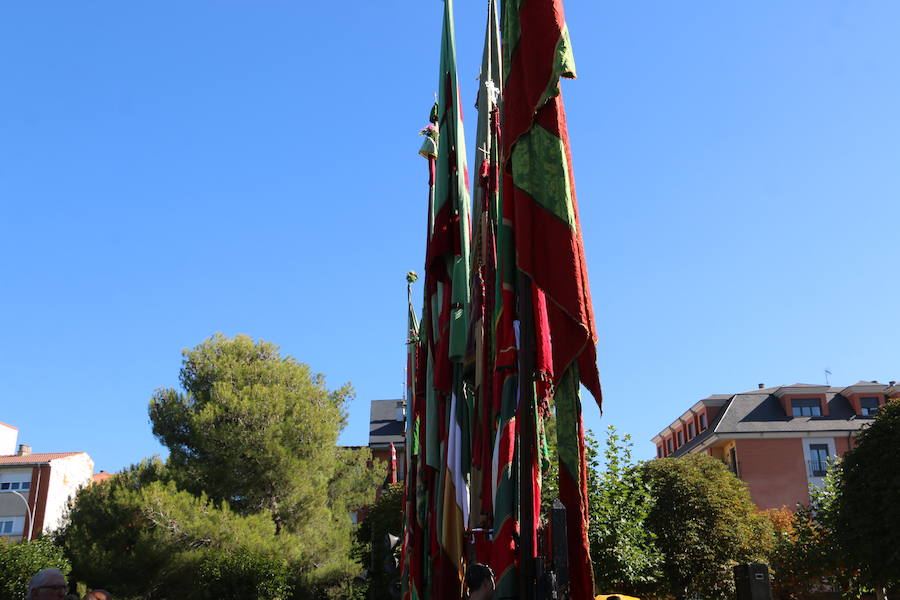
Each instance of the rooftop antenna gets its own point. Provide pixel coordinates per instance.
(827, 376)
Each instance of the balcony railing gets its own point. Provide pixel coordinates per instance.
(817, 468)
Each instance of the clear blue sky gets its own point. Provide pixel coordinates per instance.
(173, 169)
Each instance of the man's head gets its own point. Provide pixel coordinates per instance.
(97, 595)
(49, 584)
(479, 581)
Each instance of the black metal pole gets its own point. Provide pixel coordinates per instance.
(527, 437)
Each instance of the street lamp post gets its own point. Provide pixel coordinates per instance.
(30, 514)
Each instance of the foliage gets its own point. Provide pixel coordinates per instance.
(704, 523)
(808, 554)
(623, 552)
(257, 432)
(254, 499)
(139, 538)
(384, 517)
(254, 429)
(19, 562)
(239, 575)
(866, 514)
(799, 560)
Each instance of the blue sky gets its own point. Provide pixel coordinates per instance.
(173, 169)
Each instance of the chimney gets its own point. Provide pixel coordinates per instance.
(23, 450)
(401, 412)
(761, 385)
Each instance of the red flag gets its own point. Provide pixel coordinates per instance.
(539, 186)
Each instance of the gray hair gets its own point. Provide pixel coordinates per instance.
(41, 577)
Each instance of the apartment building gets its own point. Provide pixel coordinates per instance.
(778, 440)
(35, 488)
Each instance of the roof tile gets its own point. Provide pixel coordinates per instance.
(30, 459)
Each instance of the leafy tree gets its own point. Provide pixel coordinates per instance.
(866, 514)
(800, 561)
(141, 539)
(240, 575)
(704, 523)
(19, 562)
(257, 430)
(254, 471)
(623, 552)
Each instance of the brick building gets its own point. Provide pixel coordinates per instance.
(778, 439)
(37, 485)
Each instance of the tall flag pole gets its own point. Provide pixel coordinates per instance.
(486, 197)
(412, 553)
(425, 541)
(444, 328)
(558, 333)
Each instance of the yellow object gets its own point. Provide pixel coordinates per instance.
(615, 597)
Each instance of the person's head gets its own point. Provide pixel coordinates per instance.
(49, 584)
(97, 595)
(479, 581)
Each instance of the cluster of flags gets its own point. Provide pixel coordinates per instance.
(507, 332)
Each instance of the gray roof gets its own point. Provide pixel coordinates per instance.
(759, 411)
(752, 413)
(384, 427)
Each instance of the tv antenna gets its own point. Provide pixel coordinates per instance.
(827, 376)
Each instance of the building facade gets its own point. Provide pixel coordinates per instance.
(778, 440)
(387, 425)
(35, 488)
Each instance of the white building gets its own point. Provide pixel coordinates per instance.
(36, 486)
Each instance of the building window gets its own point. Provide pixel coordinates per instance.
(806, 407)
(868, 406)
(691, 431)
(680, 439)
(659, 451)
(818, 459)
(732, 461)
(6, 527)
(8, 486)
(669, 445)
(703, 422)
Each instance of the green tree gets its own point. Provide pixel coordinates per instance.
(254, 471)
(253, 428)
(623, 552)
(866, 515)
(704, 523)
(143, 538)
(19, 562)
(222, 575)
